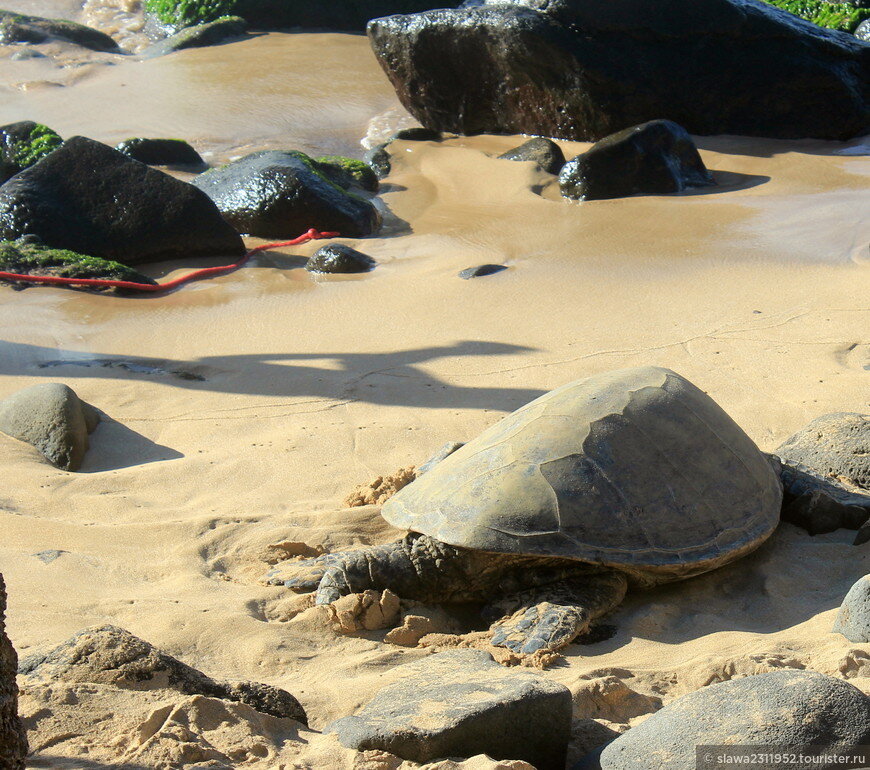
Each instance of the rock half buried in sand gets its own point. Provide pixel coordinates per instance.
(339, 258)
(198, 36)
(20, 28)
(655, 158)
(545, 152)
(13, 740)
(94, 200)
(463, 703)
(480, 270)
(781, 708)
(52, 418)
(378, 158)
(112, 655)
(853, 619)
(826, 474)
(161, 152)
(583, 69)
(24, 143)
(282, 194)
(348, 172)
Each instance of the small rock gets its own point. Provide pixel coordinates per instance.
(20, 28)
(24, 143)
(481, 270)
(92, 199)
(282, 194)
(416, 134)
(379, 160)
(853, 619)
(862, 31)
(826, 474)
(460, 704)
(653, 158)
(545, 152)
(13, 739)
(112, 655)
(444, 452)
(347, 172)
(161, 152)
(780, 708)
(199, 35)
(51, 417)
(338, 258)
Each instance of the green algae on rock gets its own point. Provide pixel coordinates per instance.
(24, 143)
(348, 171)
(220, 30)
(840, 16)
(36, 259)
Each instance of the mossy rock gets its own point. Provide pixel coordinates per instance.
(24, 143)
(36, 259)
(348, 171)
(844, 17)
(21, 28)
(221, 30)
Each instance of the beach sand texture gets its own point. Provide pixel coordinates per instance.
(240, 412)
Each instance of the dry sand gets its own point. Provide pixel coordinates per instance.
(757, 291)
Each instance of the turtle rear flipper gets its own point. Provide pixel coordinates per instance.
(553, 616)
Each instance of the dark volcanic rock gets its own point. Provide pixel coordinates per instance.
(588, 68)
(282, 194)
(13, 739)
(112, 655)
(546, 153)
(92, 199)
(348, 172)
(853, 619)
(211, 33)
(480, 270)
(52, 418)
(20, 28)
(826, 474)
(379, 160)
(459, 704)
(338, 258)
(781, 708)
(416, 134)
(656, 157)
(24, 143)
(161, 152)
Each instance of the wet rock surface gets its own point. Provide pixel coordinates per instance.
(94, 200)
(378, 158)
(282, 194)
(460, 704)
(24, 143)
(826, 474)
(161, 152)
(112, 655)
(480, 270)
(348, 172)
(339, 258)
(13, 740)
(51, 417)
(545, 152)
(214, 32)
(21, 28)
(583, 69)
(853, 618)
(658, 157)
(781, 708)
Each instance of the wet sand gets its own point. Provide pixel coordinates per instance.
(755, 290)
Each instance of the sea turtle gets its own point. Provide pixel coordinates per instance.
(632, 477)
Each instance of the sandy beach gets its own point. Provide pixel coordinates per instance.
(241, 411)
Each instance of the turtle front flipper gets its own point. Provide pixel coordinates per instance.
(552, 616)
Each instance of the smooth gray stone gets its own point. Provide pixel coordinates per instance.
(51, 417)
(545, 152)
(462, 703)
(479, 271)
(781, 708)
(853, 619)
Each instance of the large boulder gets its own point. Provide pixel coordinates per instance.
(853, 617)
(462, 703)
(583, 69)
(782, 708)
(826, 474)
(13, 740)
(52, 418)
(112, 655)
(658, 157)
(282, 194)
(89, 198)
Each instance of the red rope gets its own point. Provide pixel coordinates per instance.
(311, 235)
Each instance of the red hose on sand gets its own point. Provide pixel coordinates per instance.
(311, 235)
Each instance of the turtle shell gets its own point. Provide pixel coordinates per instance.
(635, 469)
